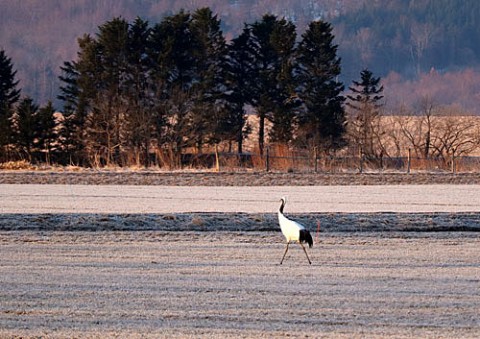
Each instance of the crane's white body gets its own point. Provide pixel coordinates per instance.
(290, 229)
(293, 231)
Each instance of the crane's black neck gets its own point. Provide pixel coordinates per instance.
(281, 206)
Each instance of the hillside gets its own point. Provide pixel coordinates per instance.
(411, 37)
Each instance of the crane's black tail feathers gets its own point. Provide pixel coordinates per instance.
(305, 236)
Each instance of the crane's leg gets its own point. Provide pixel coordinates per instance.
(286, 249)
(304, 250)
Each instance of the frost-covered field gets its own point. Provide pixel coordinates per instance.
(184, 199)
(228, 284)
(175, 261)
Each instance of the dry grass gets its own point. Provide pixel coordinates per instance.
(125, 176)
(16, 165)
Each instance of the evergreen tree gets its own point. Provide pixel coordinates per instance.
(272, 42)
(70, 91)
(106, 124)
(45, 134)
(365, 103)
(71, 131)
(81, 93)
(107, 94)
(25, 131)
(174, 73)
(138, 91)
(240, 78)
(98, 77)
(171, 51)
(322, 120)
(283, 95)
(209, 117)
(9, 95)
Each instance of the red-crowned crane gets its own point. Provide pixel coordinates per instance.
(293, 231)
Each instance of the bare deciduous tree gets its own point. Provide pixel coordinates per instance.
(434, 131)
(454, 135)
(421, 36)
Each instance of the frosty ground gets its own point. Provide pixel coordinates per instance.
(229, 284)
(237, 199)
(159, 261)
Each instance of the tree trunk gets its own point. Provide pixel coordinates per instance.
(240, 144)
(261, 132)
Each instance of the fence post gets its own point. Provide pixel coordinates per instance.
(315, 158)
(217, 160)
(409, 160)
(454, 169)
(267, 159)
(361, 159)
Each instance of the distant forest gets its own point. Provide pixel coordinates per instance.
(411, 37)
(401, 41)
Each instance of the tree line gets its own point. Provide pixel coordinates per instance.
(406, 37)
(178, 86)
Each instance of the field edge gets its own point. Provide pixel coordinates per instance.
(243, 222)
